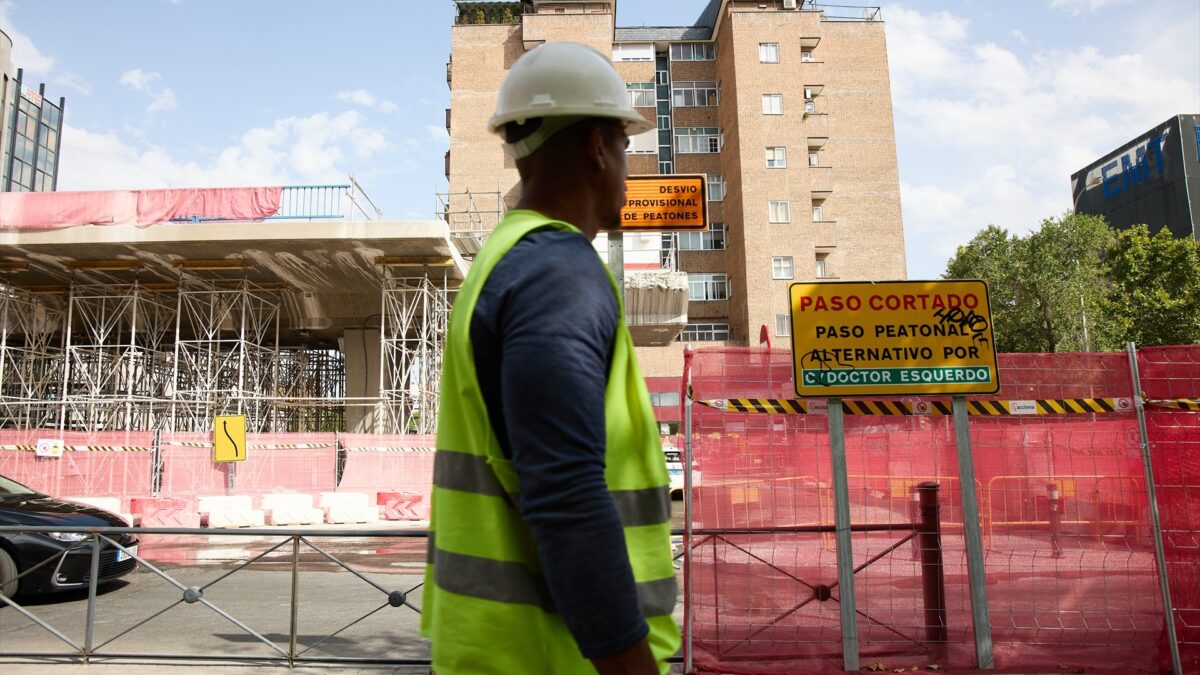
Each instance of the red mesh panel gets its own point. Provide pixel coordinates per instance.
(1068, 555)
(1166, 373)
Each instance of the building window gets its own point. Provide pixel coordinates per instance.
(716, 187)
(708, 287)
(664, 122)
(664, 399)
(645, 143)
(711, 240)
(697, 139)
(666, 168)
(783, 325)
(768, 52)
(663, 76)
(633, 52)
(704, 332)
(777, 158)
(806, 55)
(641, 94)
(814, 158)
(781, 267)
(822, 266)
(772, 104)
(818, 213)
(693, 94)
(693, 51)
(810, 106)
(781, 211)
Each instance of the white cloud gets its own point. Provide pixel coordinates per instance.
(986, 135)
(24, 54)
(1018, 35)
(366, 99)
(1077, 7)
(359, 96)
(143, 81)
(318, 149)
(139, 79)
(163, 100)
(73, 81)
(437, 133)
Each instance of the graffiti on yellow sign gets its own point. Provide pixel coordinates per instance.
(229, 438)
(892, 338)
(665, 203)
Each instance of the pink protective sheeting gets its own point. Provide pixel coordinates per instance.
(399, 463)
(55, 210)
(159, 206)
(100, 464)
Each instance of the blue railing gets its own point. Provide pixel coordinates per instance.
(311, 202)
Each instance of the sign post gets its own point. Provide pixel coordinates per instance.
(847, 602)
(865, 339)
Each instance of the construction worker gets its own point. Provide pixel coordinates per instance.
(550, 529)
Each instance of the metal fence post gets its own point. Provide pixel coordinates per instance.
(688, 610)
(91, 606)
(981, 621)
(933, 581)
(295, 609)
(1160, 554)
(841, 520)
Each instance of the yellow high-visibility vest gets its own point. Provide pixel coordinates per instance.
(487, 608)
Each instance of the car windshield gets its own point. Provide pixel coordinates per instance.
(11, 488)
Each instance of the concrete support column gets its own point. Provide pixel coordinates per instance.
(361, 347)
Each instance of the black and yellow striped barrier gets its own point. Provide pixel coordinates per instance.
(1189, 404)
(1070, 406)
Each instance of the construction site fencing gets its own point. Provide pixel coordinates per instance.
(1070, 566)
(128, 466)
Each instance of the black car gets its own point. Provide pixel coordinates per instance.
(20, 551)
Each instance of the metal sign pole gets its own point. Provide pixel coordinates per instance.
(1160, 553)
(616, 258)
(970, 509)
(841, 523)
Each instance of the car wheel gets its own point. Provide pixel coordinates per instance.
(8, 574)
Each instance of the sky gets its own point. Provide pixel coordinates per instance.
(995, 103)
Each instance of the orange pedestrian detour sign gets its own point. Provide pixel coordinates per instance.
(665, 203)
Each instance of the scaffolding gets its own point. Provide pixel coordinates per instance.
(413, 323)
(99, 353)
(471, 216)
(31, 359)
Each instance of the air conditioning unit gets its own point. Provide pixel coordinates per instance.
(789, 4)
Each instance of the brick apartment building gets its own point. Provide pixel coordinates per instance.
(784, 105)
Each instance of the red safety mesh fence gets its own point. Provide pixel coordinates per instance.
(1174, 373)
(1069, 560)
(93, 464)
(398, 463)
(287, 462)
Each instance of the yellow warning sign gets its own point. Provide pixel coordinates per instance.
(665, 203)
(892, 338)
(229, 438)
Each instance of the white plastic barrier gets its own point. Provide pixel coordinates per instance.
(348, 507)
(230, 511)
(292, 508)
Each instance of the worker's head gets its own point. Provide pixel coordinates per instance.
(564, 110)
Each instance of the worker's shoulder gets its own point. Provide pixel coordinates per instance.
(554, 254)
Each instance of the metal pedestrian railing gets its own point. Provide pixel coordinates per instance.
(311, 202)
(289, 651)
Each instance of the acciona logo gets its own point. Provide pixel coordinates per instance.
(1022, 407)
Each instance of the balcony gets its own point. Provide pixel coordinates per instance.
(487, 13)
(447, 120)
(816, 124)
(448, 78)
(656, 306)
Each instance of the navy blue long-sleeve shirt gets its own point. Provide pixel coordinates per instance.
(542, 335)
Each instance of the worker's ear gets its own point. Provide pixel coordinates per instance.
(597, 142)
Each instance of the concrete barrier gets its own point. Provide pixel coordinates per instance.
(230, 511)
(291, 508)
(348, 507)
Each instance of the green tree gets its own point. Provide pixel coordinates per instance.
(1156, 287)
(1048, 289)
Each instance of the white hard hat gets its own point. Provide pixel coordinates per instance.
(566, 80)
